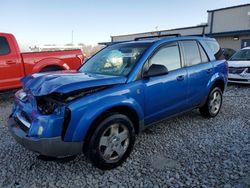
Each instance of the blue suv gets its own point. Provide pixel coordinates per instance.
(117, 93)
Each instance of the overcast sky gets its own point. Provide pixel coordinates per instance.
(52, 21)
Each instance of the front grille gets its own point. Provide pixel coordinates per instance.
(23, 121)
(236, 70)
(25, 115)
(21, 125)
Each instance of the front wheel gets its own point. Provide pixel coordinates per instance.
(111, 142)
(213, 104)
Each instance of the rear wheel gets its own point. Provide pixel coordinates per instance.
(213, 104)
(111, 142)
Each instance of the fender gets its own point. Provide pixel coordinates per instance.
(217, 76)
(90, 114)
(49, 62)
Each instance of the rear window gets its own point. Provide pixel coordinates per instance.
(215, 47)
(4, 46)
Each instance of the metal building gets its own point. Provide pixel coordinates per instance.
(230, 26)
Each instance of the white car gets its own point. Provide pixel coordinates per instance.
(239, 67)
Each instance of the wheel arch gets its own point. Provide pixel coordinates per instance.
(217, 80)
(48, 62)
(121, 109)
(218, 83)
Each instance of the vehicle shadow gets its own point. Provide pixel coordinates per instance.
(7, 95)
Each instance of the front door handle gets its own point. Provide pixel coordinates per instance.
(180, 78)
(10, 62)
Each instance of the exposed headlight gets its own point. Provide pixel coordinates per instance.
(22, 96)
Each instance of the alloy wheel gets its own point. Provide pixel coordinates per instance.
(215, 102)
(114, 142)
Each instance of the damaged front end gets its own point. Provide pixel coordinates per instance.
(56, 103)
(40, 123)
(47, 103)
(239, 75)
(41, 113)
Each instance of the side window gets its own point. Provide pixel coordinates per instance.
(191, 51)
(4, 46)
(215, 47)
(204, 58)
(169, 56)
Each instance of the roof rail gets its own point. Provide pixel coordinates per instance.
(158, 36)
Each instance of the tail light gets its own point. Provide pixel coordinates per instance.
(81, 57)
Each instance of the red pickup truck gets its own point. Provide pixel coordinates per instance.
(14, 64)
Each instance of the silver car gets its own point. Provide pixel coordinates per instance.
(239, 67)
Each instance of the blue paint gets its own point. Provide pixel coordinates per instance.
(151, 98)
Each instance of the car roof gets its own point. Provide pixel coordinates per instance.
(167, 39)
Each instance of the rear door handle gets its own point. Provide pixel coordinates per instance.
(180, 78)
(10, 62)
(209, 70)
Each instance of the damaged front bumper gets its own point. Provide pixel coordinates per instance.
(40, 133)
(239, 75)
(53, 146)
(237, 78)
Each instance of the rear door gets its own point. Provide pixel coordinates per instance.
(200, 71)
(10, 65)
(165, 95)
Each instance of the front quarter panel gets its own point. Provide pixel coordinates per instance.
(84, 111)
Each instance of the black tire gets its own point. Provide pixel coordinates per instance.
(51, 68)
(96, 153)
(207, 110)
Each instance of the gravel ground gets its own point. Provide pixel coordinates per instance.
(187, 151)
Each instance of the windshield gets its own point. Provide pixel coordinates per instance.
(115, 60)
(242, 55)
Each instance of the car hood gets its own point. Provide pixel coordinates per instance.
(40, 84)
(239, 63)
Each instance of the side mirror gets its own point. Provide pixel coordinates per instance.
(155, 70)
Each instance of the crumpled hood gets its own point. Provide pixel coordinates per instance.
(66, 81)
(239, 63)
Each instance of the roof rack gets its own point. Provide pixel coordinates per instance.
(158, 36)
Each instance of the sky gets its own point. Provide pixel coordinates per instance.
(35, 22)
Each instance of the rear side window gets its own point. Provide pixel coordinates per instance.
(215, 47)
(4, 46)
(191, 51)
(169, 56)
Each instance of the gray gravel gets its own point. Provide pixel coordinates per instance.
(187, 151)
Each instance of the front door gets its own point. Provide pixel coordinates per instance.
(165, 95)
(11, 69)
